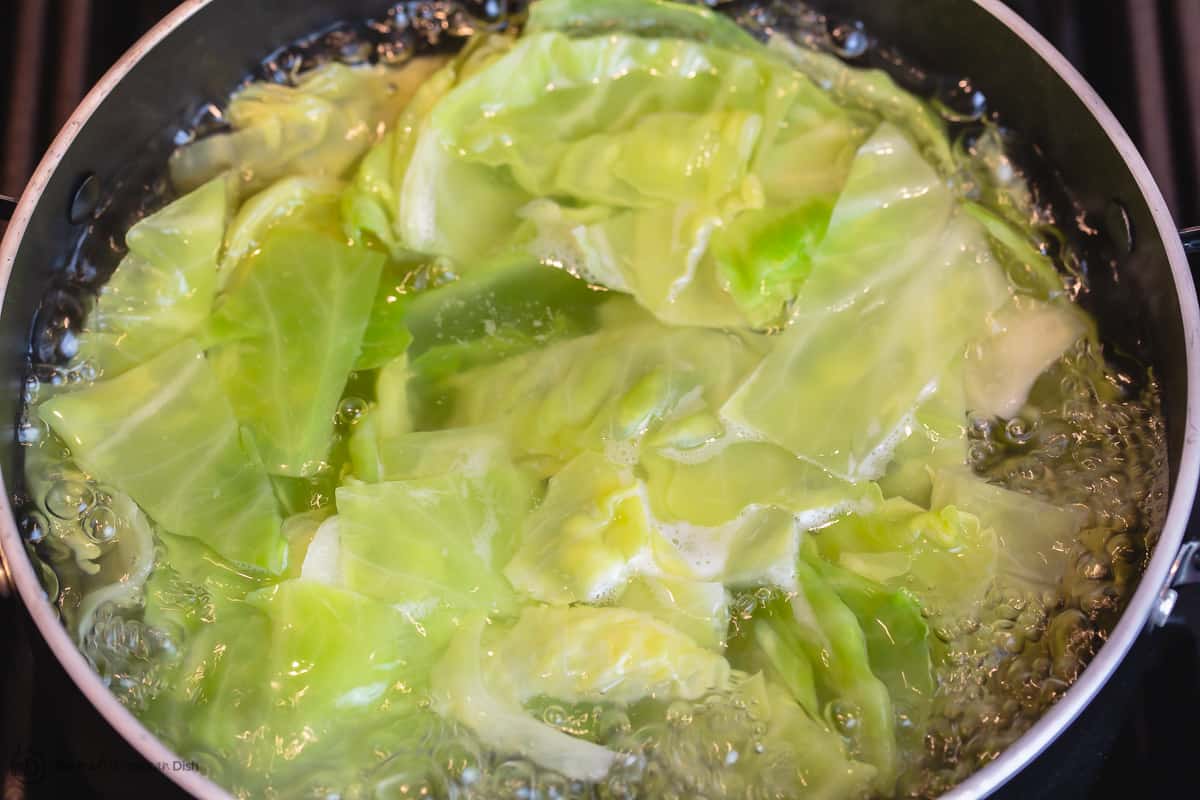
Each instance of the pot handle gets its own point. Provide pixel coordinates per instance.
(1191, 240)
(1185, 571)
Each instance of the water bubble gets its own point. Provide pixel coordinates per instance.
(680, 713)
(612, 724)
(513, 779)
(556, 716)
(849, 39)
(552, 786)
(961, 102)
(69, 499)
(351, 410)
(1019, 431)
(32, 430)
(86, 371)
(743, 606)
(34, 527)
(30, 388)
(397, 46)
(55, 340)
(843, 716)
(101, 524)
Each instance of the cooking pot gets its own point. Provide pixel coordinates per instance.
(117, 140)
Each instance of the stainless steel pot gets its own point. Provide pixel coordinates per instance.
(201, 51)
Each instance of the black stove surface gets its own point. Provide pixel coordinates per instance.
(1138, 739)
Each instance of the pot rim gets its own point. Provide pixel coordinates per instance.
(1136, 615)
(20, 568)
(985, 781)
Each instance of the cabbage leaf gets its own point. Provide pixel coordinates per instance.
(591, 535)
(293, 324)
(944, 557)
(163, 290)
(1033, 536)
(584, 654)
(1026, 338)
(698, 608)
(912, 303)
(165, 434)
(335, 678)
(437, 541)
(609, 391)
(499, 720)
(318, 127)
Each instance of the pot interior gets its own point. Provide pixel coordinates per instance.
(122, 147)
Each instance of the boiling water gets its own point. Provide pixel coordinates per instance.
(1092, 436)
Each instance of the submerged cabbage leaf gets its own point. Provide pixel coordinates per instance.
(1026, 338)
(944, 557)
(331, 682)
(582, 654)
(165, 434)
(607, 391)
(433, 541)
(163, 290)
(898, 642)
(192, 586)
(591, 535)
(1032, 536)
(936, 438)
(498, 719)
(914, 304)
(427, 454)
(698, 608)
(814, 761)
(817, 626)
(293, 324)
(318, 127)
(387, 336)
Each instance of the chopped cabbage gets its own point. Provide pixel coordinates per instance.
(698, 608)
(292, 326)
(1026, 338)
(163, 290)
(622, 365)
(1032, 536)
(944, 557)
(499, 720)
(333, 679)
(436, 540)
(590, 537)
(581, 654)
(165, 434)
(318, 127)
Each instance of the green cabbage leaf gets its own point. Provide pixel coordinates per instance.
(165, 434)
(163, 290)
(291, 328)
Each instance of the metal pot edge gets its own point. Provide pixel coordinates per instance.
(1155, 579)
(21, 571)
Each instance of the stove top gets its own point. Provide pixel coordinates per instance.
(1139, 737)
